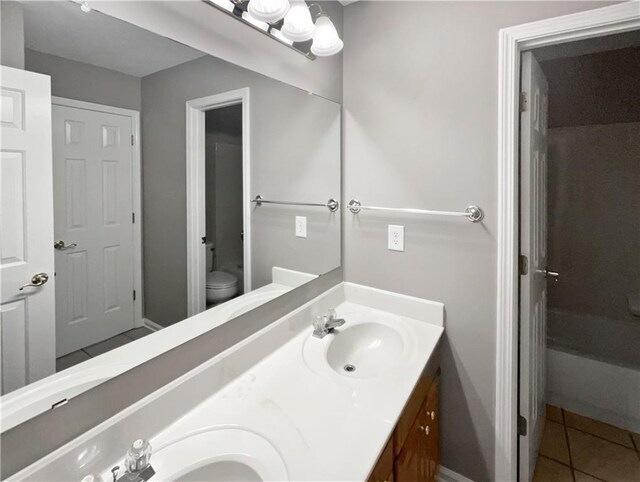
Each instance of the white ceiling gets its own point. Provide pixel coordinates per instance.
(61, 28)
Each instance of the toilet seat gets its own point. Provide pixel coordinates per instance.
(220, 280)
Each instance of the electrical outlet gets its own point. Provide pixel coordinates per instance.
(396, 237)
(301, 226)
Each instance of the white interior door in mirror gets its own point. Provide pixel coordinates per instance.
(533, 241)
(93, 205)
(27, 334)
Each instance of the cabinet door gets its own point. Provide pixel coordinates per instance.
(433, 438)
(412, 462)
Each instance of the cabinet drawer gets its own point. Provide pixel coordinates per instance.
(416, 400)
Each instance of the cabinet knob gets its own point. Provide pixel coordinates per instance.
(433, 415)
(425, 429)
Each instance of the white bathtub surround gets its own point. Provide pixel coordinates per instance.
(594, 388)
(26, 402)
(324, 424)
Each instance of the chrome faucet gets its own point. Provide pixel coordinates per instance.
(136, 461)
(325, 324)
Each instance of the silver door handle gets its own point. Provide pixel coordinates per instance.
(60, 246)
(37, 280)
(555, 276)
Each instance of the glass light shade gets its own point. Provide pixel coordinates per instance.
(298, 25)
(278, 34)
(326, 41)
(269, 11)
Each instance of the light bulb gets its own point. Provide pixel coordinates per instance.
(298, 25)
(269, 11)
(326, 41)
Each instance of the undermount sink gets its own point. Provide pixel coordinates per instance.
(217, 455)
(365, 347)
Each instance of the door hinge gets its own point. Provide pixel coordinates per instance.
(523, 265)
(523, 102)
(133, 218)
(134, 295)
(522, 426)
(133, 140)
(204, 240)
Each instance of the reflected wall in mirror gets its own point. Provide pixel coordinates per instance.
(129, 166)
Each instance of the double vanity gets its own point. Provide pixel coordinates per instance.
(357, 402)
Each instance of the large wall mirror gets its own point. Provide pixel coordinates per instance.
(152, 194)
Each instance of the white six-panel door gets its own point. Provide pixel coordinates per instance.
(27, 332)
(92, 158)
(533, 242)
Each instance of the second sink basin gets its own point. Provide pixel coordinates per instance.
(367, 346)
(218, 455)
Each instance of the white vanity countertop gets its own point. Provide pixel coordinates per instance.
(26, 402)
(325, 425)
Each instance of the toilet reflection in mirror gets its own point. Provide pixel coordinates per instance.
(143, 234)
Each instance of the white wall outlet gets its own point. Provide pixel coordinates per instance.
(301, 226)
(396, 237)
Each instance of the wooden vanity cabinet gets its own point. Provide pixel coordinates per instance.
(412, 453)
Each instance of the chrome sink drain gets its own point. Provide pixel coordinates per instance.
(349, 368)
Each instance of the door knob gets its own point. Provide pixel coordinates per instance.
(60, 246)
(555, 276)
(37, 280)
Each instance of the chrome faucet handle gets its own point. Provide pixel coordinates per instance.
(138, 456)
(332, 314)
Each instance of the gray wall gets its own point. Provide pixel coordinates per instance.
(420, 115)
(594, 238)
(295, 150)
(600, 88)
(79, 81)
(12, 35)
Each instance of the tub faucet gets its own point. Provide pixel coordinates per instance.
(136, 461)
(325, 324)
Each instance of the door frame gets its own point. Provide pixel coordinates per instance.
(196, 189)
(136, 181)
(617, 18)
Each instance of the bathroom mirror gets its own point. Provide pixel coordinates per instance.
(178, 191)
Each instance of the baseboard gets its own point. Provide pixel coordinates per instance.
(152, 325)
(448, 475)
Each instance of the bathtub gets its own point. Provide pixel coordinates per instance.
(594, 380)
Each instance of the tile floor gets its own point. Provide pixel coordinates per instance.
(89, 352)
(578, 449)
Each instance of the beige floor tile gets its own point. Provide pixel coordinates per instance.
(600, 429)
(602, 458)
(580, 477)
(551, 471)
(554, 442)
(554, 413)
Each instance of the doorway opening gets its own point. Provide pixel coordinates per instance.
(218, 199)
(513, 428)
(580, 241)
(223, 198)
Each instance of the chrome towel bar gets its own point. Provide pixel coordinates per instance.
(332, 205)
(472, 213)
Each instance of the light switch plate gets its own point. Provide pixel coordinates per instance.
(396, 237)
(301, 226)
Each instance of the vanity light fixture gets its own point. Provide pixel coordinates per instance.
(269, 11)
(288, 21)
